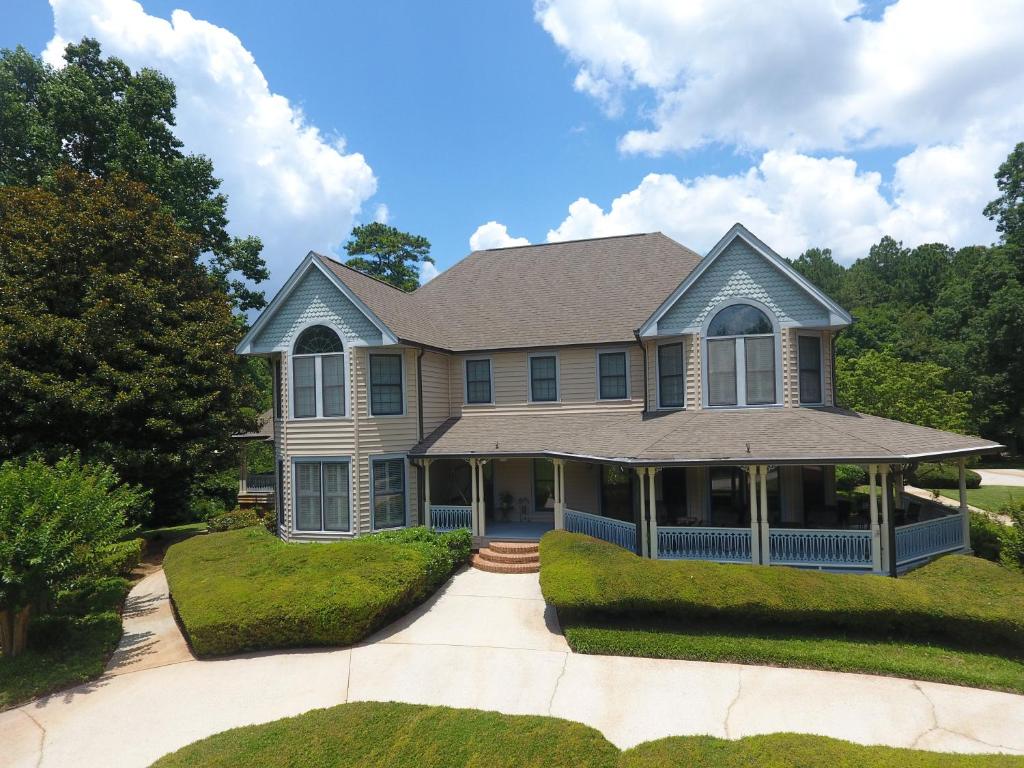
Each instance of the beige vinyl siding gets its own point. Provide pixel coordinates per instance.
(790, 368)
(357, 437)
(436, 368)
(577, 381)
(826, 362)
(694, 371)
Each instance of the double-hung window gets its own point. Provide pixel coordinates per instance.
(385, 385)
(478, 382)
(322, 500)
(809, 354)
(543, 378)
(318, 374)
(611, 375)
(670, 375)
(388, 492)
(740, 361)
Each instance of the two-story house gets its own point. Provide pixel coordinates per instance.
(625, 387)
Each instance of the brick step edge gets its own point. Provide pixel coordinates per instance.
(487, 565)
(514, 547)
(504, 557)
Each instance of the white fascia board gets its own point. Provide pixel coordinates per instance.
(388, 335)
(837, 315)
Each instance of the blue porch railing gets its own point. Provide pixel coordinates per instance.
(450, 518)
(820, 548)
(724, 545)
(605, 528)
(917, 541)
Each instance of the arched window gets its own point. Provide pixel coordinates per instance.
(318, 374)
(741, 357)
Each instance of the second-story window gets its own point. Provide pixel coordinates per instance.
(809, 354)
(543, 378)
(741, 357)
(478, 382)
(385, 385)
(318, 374)
(611, 376)
(670, 375)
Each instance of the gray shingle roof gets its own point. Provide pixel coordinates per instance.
(575, 292)
(774, 435)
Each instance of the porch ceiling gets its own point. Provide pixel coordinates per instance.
(747, 436)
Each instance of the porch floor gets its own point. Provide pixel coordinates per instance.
(517, 531)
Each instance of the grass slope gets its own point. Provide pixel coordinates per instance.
(247, 590)
(991, 498)
(368, 735)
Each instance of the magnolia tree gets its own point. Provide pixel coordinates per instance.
(56, 522)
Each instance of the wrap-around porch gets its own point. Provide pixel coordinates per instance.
(771, 514)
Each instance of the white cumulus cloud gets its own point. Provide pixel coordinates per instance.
(287, 181)
(494, 235)
(427, 272)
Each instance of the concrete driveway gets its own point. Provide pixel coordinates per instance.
(1013, 477)
(485, 641)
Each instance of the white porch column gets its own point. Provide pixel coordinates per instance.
(653, 530)
(243, 469)
(876, 537)
(482, 497)
(642, 531)
(965, 512)
(883, 533)
(559, 494)
(755, 531)
(766, 550)
(426, 495)
(474, 500)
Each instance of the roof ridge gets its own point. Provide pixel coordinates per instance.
(563, 242)
(364, 274)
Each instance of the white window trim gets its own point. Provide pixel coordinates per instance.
(681, 341)
(529, 378)
(318, 372)
(597, 370)
(294, 527)
(400, 354)
(821, 368)
(465, 378)
(405, 489)
(741, 360)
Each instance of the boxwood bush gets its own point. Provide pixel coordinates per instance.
(941, 476)
(963, 599)
(247, 590)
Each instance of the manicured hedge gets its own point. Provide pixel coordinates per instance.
(941, 476)
(969, 601)
(247, 590)
(368, 735)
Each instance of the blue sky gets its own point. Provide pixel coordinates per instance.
(466, 113)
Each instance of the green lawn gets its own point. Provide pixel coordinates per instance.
(367, 735)
(247, 590)
(958, 620)
(173, 532)
(67, 648)
(989, 497)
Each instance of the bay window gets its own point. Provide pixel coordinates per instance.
(322, 501)
(740, 358)
(318, 374)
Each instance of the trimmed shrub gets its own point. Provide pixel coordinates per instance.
(1011, 537)
(985, 536)
(233, 520)
(962, 599)
(247, 590)
(941, 476)
(120, 558)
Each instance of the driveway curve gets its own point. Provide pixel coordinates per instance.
(485, 641)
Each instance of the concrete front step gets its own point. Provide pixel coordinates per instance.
(505, 557)
(496, 567)
(515, 547)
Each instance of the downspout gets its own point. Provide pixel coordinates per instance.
(643, 351)
(420, 471)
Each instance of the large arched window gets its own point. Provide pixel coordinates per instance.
(318, 374)
(741, 357)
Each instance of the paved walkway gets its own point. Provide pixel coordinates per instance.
(485, 641)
